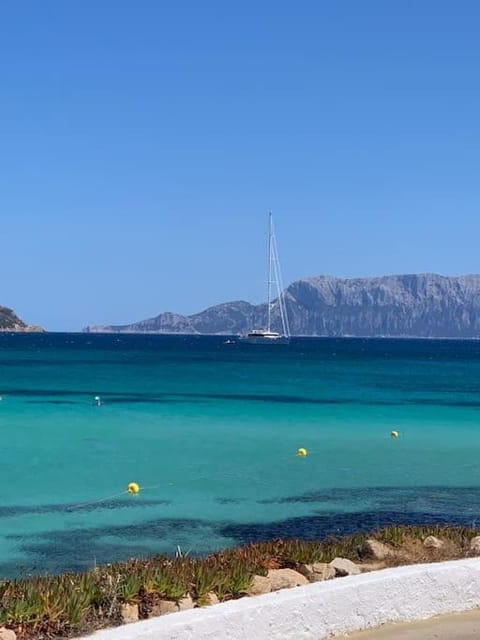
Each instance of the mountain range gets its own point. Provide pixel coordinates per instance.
(423, 305)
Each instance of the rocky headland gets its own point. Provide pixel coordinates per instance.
(10, 322)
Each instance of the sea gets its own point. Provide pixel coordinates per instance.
(209, 428)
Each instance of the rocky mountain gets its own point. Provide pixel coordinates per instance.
(426, 305)
(9, 321)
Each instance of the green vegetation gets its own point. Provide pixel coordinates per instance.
(70, 604)
(9, 321)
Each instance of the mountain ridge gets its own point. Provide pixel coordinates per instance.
(407, 305)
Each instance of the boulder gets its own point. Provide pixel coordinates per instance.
(259, 585)
(375, 549)
(344, 567)
(7, 634)
(162, 607)
(431, 542)
(285, 579)
(474, 545)
(209, 599)
(185, 603)
(317, 571)
(129, 613)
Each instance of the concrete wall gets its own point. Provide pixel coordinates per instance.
(323, 609)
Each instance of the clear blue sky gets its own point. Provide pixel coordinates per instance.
(144, 142)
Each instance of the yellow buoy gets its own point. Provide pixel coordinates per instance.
(302, 452)
(394, 434)
(133, 487)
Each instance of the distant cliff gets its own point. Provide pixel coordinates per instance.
(426, 305)
(9, 321)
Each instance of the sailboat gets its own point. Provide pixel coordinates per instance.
(266, 335)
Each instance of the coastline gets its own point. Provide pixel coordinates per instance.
(380, 601)
(20, 329)
(220, 441)
(279, 575)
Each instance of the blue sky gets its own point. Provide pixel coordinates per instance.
(143, 144)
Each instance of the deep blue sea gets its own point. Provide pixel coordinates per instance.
(210, 432)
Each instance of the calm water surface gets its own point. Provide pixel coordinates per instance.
(210, 432)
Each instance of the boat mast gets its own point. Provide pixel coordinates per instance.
(280, 289)
(270, 272)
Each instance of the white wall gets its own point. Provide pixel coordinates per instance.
(323, 609)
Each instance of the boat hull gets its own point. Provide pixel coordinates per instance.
(264, 340)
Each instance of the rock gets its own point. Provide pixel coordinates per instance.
(185, 603)
(344, 567)
(317, 571)
(259, 585)
(129, 613)
(209, 599)
(7, 634)
(162, 607)
(431, 542)
(475, 545)
(375, 549)
(285, 579)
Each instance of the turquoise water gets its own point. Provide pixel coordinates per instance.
(210, 432)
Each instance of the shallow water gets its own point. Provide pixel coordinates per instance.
(210, 432)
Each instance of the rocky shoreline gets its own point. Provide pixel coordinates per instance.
(11, 323)
(28, 328)
(65, 606)
(374, 555)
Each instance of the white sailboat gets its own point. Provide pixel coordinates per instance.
(266, 335)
